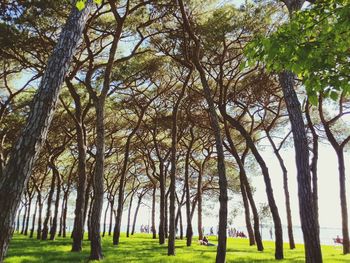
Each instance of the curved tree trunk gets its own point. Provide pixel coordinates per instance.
(29, 144)
(269, 191)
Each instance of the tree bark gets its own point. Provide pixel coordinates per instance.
(189, 230)
(129, 213)
(45, 231)
(105, 220)
(267, 180)
(96, 247)
(136, 213)
(244, 180)
(29, 144)
(33, 220)
(53, 229)
(286, 191)
(308, 218)
(154, 231)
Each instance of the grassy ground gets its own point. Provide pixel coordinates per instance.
(142, 248)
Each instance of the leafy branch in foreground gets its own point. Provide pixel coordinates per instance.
(314, 45)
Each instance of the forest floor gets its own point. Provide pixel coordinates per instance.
(142, 248)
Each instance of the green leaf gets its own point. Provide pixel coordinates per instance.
(80, 5)
(313, 99)
(98, 2)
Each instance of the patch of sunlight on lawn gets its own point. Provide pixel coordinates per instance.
(142, 248)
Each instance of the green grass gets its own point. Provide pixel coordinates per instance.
(142, 248)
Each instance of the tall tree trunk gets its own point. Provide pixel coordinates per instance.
(172, 187)
(314, 159)
(343, 202)
(286, 191)
(33, 220)
(154, 231)
(129, 213)
(53, 229)
(45, 231)
(161, 232)
(214, 123)
(189, 230)
(166, 213)
(18, 219)
(40, 203)
(79, 222)
(24, 217)
(89, 217)
(136, 213)
(111, 217)
(199, 204)
(96, 247)
(64, 212)
(247, 213)
(308, 219)
(105, 220)
(28, 215)
(29, 144)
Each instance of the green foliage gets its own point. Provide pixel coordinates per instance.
(314, 45)
(80, 4)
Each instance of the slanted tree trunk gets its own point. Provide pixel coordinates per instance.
(308, 218)
(29, 144)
